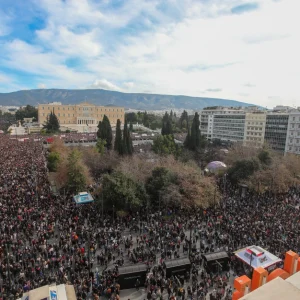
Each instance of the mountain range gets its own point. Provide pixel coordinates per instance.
(138, 101)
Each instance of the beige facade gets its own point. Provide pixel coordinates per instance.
(81, 117)
(254, 132)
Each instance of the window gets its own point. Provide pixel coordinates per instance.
(43, 107)
(58, 114)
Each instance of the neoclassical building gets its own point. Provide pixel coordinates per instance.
(83, 117)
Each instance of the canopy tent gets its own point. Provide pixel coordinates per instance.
(255, 256)
(83, 197)
(215, 166)
(216, 261)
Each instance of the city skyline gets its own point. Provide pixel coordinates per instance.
(234, 49)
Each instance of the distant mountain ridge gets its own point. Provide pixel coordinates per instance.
(104, 97)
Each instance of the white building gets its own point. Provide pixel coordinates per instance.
(292, 144)
(207, 118)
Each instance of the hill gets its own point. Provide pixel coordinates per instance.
(105, 97)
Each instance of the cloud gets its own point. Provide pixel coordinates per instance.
(249, 85)
(41, 86)
(4, 78)
(128, 85)
(4, 27)
(104, 84)
(257, 39)
(215, 90)
(244, 8)
(170, 47)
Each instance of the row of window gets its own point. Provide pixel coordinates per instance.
(294, 126)
(69, 115)
(255, 123)
(254, 133)
(296, 149)
(84, 108)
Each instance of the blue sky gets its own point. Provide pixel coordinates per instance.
(235, 49)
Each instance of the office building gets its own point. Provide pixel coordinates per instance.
(229, 127)
(207, 117)
(83, 117)
(276, 131)
(293, 133)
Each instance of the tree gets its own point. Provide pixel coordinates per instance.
(161, 178)
(26, 112)
(183, 119)
(105, 132)
(165, 145)
(76, 176)
(241, 170)
(194, 140)
(127, 141)
(52, 123)
(121, 191)
(52, 161)
(118, 146)
(100, 145)
(166, 125)
(130, 127)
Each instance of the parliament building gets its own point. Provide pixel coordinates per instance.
(83, 117)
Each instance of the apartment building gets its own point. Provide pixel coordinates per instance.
(293, 133)
(254, 132)
(83, 117)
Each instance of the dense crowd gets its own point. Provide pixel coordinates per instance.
(46, 238)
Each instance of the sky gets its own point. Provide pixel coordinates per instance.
(232, 49)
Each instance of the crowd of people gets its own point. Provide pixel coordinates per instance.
(46, 238)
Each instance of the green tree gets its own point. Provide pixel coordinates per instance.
(131, 117)
(122, 191)
(241, 170)
(194, 140)
(52, 161)
(166, 125)
(105, 132)
(146, 122)
(159, 181)
(183, 119)
(264, 157)
(26, 112)
(165, 145)
(52, 123)
(76, 181)
(127, 141)
(130, 127)
(100, 145)
(118, 146)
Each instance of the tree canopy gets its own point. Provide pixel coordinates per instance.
(127, 148)
(194, 140)
(76, 178)
(52, 123)
(165, 145)
(118, 145)
(105, 132)
(122, 191)
(26, 112)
